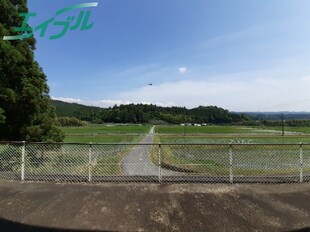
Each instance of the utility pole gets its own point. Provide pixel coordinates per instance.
(282, 124)
(184, 115)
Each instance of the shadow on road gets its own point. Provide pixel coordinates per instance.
(7, 225)
(306, 229)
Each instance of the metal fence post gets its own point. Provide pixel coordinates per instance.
(231, 174)
(300, 163)
(159, 163)
(90, 162)
(23, 161)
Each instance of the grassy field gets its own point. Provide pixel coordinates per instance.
(105, 133)
(102, 138)
(175, 134)
(75, 159)
(107, 129)
(237, 139)
(210, 155)
(305, 130)
(195, 159)
(246, 159)
(176, 129)
(215, 129)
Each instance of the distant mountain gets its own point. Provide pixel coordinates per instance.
(139, 113)
(287, 115)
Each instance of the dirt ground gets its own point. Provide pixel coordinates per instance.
(30, 206)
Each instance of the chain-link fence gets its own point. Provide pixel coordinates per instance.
(174, 163)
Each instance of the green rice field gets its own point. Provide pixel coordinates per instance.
(216, 129)
(106, 133)
(177, 129)
(98, 129)
(238, 139)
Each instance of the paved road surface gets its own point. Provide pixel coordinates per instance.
(34, 206)
(138, 161)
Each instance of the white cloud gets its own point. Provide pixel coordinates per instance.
(305, 79)
(111, 102)
(260, 94)
(108, 103)
(256, 94)
(182, 70)
(67, 99)
(163, 104)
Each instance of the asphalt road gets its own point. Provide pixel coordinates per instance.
(37, 206)
(138, 161)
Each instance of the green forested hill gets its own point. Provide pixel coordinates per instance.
(64, 109)
(140, 113)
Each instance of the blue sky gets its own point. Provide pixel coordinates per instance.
(243, 55)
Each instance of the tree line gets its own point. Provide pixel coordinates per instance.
(141, 113)
(153, 114)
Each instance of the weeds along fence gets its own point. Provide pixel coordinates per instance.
(174, 163)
